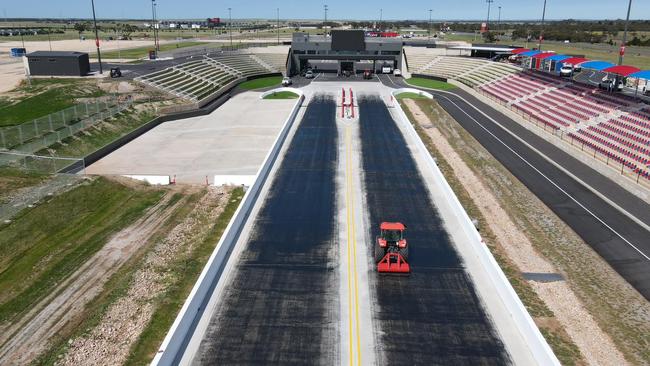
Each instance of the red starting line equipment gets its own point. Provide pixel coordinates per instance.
(342, 102)
(352, 102)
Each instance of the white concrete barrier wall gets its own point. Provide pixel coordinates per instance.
(176, 338)
(162, 180)
(234, 180)
(542, 352)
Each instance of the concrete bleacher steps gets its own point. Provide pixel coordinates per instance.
(197, 80)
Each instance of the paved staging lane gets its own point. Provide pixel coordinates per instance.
(280, 305)
(618, 239)
(434, 315)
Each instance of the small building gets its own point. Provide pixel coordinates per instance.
(58, 63)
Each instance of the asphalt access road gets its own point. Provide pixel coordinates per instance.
(432, 316)
(280, 306)
(623, 243)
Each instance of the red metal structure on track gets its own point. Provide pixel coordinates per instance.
(391, 249)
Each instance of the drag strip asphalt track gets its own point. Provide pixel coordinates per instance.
(434, 315)
(622, 242)
(281, 305)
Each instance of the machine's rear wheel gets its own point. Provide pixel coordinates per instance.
(379, 253)
(405, 253)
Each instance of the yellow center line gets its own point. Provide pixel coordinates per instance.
(347, 199)
(352, 242)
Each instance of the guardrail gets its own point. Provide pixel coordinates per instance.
(170, 351)
(540, 349)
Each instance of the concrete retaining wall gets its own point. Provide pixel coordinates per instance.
(170, 352)
(540, 349)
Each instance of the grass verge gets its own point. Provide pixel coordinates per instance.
(264, 82)
(559, 341)
(12, 179)
(184, 272)
(429, 83)
(101, 134)
(282, 95)
(44, 245)
(141, 52)
(619, 310)
(409, 95)
(46, 96)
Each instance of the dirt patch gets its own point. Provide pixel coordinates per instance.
(28, 337)
(571, 316)
(110, 341)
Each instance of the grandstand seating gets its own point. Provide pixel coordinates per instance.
(197, 80)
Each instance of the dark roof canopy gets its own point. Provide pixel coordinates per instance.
(56, 54)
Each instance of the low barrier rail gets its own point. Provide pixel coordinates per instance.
(529, 331)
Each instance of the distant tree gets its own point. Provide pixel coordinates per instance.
(81, 27)
(125, 30)
(489, 37)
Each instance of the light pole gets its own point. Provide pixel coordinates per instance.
(541, 32)
(277, 10)
(99, 55)
(381, 16)
(155, 28)
(153, 24)
(230, 26)
(487, 24)
(499, 21)
(627, 20)
(430, 11)
(325, 8)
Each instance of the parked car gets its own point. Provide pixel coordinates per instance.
(609, 84)
(566, 70)
(309, 74)
(286, 81)
(386, 70)
(397, 72)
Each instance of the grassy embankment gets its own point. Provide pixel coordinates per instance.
(618, 310)
(179, 277)
(45, 244)
(12, 180)
(140, 52)
(282, 95)
(260, 83)
(43, 97)
(562, 345)
(429, 83)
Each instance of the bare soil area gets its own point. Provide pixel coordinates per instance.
(509, 208)
(110, 341)
(25, 339)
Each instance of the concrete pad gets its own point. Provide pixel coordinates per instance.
(232, 140)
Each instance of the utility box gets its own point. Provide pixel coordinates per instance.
(58, 63)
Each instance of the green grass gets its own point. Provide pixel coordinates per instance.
(12, 180)
(282, 95)
(186, 271)
(141, 52)
(566, 351)
(409, 95)
(261, 83)
(46, 244)
(47, 96)
(91, 139)
(429, 83)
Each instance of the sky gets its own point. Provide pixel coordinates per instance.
(338, 9)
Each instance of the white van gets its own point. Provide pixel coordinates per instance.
(386, 70)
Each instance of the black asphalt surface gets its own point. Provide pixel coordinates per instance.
(282, 304)
(623, 243)
(433, 316)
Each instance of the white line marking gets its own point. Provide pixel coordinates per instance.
(540, 173)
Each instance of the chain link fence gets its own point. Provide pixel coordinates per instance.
(40, 133)
(41, 164)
